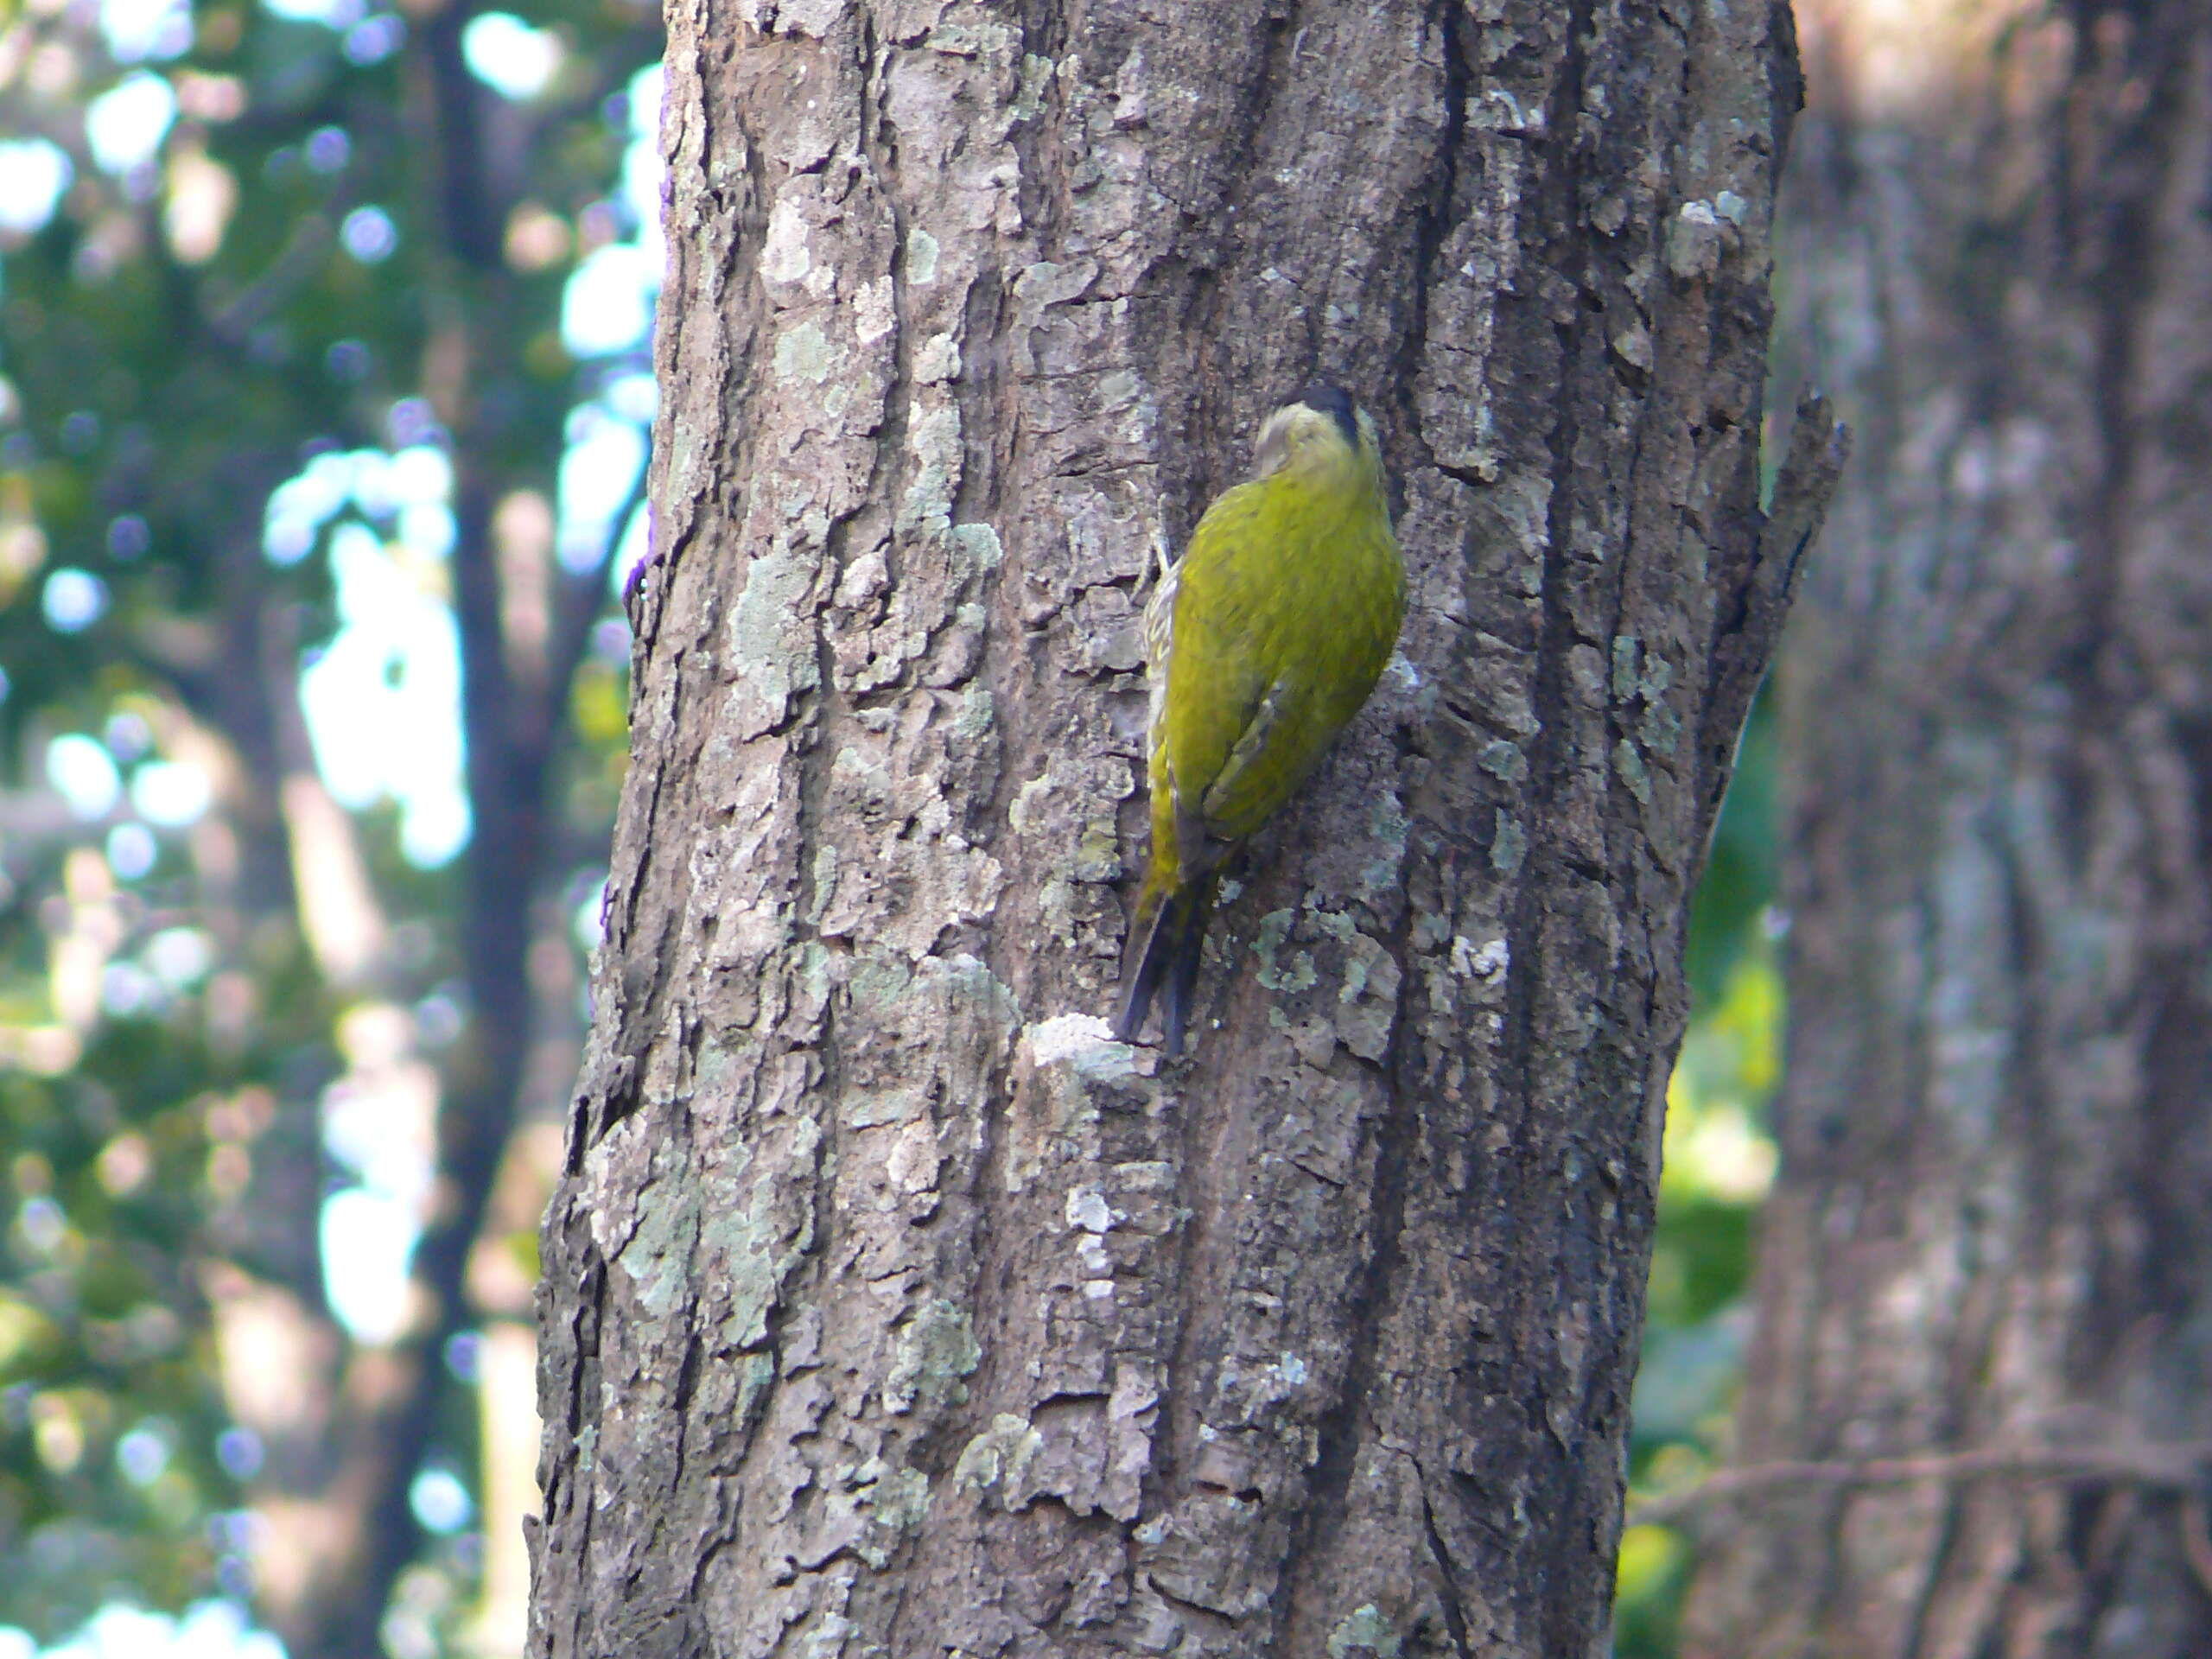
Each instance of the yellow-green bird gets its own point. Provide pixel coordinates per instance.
(1262, 641)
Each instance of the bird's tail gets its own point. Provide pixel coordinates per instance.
(1161, 958)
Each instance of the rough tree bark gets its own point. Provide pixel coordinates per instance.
(888, 1307)
(1989, 1252)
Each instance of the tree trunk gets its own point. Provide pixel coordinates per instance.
(887, 1303)
(1989, 1253)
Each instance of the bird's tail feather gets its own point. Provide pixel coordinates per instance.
(1162, 959)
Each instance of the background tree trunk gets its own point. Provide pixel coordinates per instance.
(886, 1301)
(1990, 1233)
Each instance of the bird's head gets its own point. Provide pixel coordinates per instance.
(1323, 432)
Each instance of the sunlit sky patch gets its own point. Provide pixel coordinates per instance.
(367, 1240)
(605, 455)
(642, 168)
(335, 14)
(124, 125)
(34, 172)
(508, 55)
(383, 702)
(633, 397)
(636, 541)
(143, 1453)
(608, 304)
(139, 30)
(209, 1630)
(172, 793)
(84, 774)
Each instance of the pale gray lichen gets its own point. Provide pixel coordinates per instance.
(936, 1349)
(875, 1109)
(1626, 649)
(804, 353)
(873, 311)
(1486, 962)
(977, 712)
(1370, 998)
(1387, 828)
(1000, 1453)
(825, 881)
(934, 440)
(1026, 800)
(1629, 765)
(1365, 1630)
(1294, 973)
(1036, 76)
(896, 1501)
(1509, 845)
(1084, 1044)
(1097, 857)
(785, 258)
(938, 360)
(1505, 760)
(976, 549)
(876, 981)
(968, 982)
(1337, 923)
(921, 258)
(658, 1256)
(772, 660)
(758, 1243)
(756, 1373)
(1087, 1209)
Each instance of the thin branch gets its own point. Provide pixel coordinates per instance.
(2172, 1467)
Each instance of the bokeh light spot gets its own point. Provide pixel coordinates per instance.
(73, 600)
(132, 851)
(369, 235)
(508, 55)
(84, 774)
(34, 172)
(441, 1503)
(124, 125)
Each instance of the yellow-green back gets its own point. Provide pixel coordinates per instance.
(1286, 609)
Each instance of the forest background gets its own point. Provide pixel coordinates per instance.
(323, 404)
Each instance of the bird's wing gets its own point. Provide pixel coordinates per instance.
(1224, 803)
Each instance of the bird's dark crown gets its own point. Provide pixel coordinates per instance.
(1336, 403)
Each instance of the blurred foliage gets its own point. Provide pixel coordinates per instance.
(212, 359)
(273, 277)
(1718, 1164)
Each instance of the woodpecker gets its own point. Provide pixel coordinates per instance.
(1261, 642)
